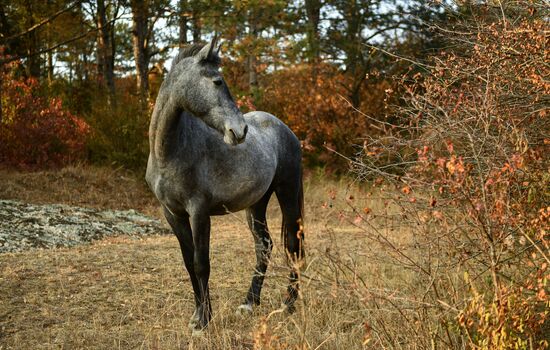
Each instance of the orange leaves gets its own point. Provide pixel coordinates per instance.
(455, 165)
(246, 104)
(313, 100)
(310, 103)
(438, 215)
(478, 178)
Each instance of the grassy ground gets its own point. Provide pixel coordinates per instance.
(127, 293)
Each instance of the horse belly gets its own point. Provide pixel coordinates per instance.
(240, 194)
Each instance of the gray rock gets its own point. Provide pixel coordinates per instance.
(25, 226)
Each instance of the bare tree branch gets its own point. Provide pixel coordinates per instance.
(43, 22)
(51, 48)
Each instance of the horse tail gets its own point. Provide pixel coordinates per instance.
(294, 220)
(301, 223)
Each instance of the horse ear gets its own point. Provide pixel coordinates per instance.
(206, 53)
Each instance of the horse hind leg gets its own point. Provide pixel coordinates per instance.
(291, 200)
(256, 219)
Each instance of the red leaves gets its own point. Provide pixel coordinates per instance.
(37, 132)
(246, 104)
(450, 146)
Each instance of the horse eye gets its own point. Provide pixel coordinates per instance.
(217, 81)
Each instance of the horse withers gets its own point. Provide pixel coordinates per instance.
(207, 158)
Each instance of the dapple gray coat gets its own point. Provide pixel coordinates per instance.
(206, 158)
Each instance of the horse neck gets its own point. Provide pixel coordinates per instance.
(164, 120)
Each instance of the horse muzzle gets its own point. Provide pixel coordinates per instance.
(234, 136)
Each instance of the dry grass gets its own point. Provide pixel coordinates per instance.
(97, 187)
(125, 293)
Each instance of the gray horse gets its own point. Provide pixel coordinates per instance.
(206, 158)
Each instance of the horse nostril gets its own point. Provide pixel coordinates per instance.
(236, 138)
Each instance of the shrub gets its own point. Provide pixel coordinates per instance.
(474, 193)
(36, 132)
(120, 131)
(312, 101)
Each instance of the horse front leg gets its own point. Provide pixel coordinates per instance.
(182, 229)
(200, 227)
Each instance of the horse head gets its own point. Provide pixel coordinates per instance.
(199, 88)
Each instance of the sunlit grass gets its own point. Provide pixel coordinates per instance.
(127, 293)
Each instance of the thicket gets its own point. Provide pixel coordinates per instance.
(457, 149)
(119, 133)
(472, 194)
(37, 131)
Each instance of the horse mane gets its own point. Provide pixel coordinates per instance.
(191, 50)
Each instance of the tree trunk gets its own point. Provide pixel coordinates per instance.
(1, 81)
(313, 11)
(85, 75)
(252, 59)
(105, 50)
(196, 32)
(49, 55)
(196, 20)
(196, 28)
(112, 32)
(33, 60)
(50, 67)
(356, 66)
(183, 22)
(141, 54)
(4, 28)
(252, 73)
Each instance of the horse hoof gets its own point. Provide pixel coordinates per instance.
(244, 309)
(290, 308)
(193, 321)
(198, 333)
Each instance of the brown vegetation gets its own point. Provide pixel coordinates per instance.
(79, 185)
(475, 192)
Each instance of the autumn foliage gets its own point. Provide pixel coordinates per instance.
(119, 132)
(36, 131)
(474, 186)
(312, 100)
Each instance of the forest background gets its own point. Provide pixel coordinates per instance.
(438, 111)
(93, 69)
